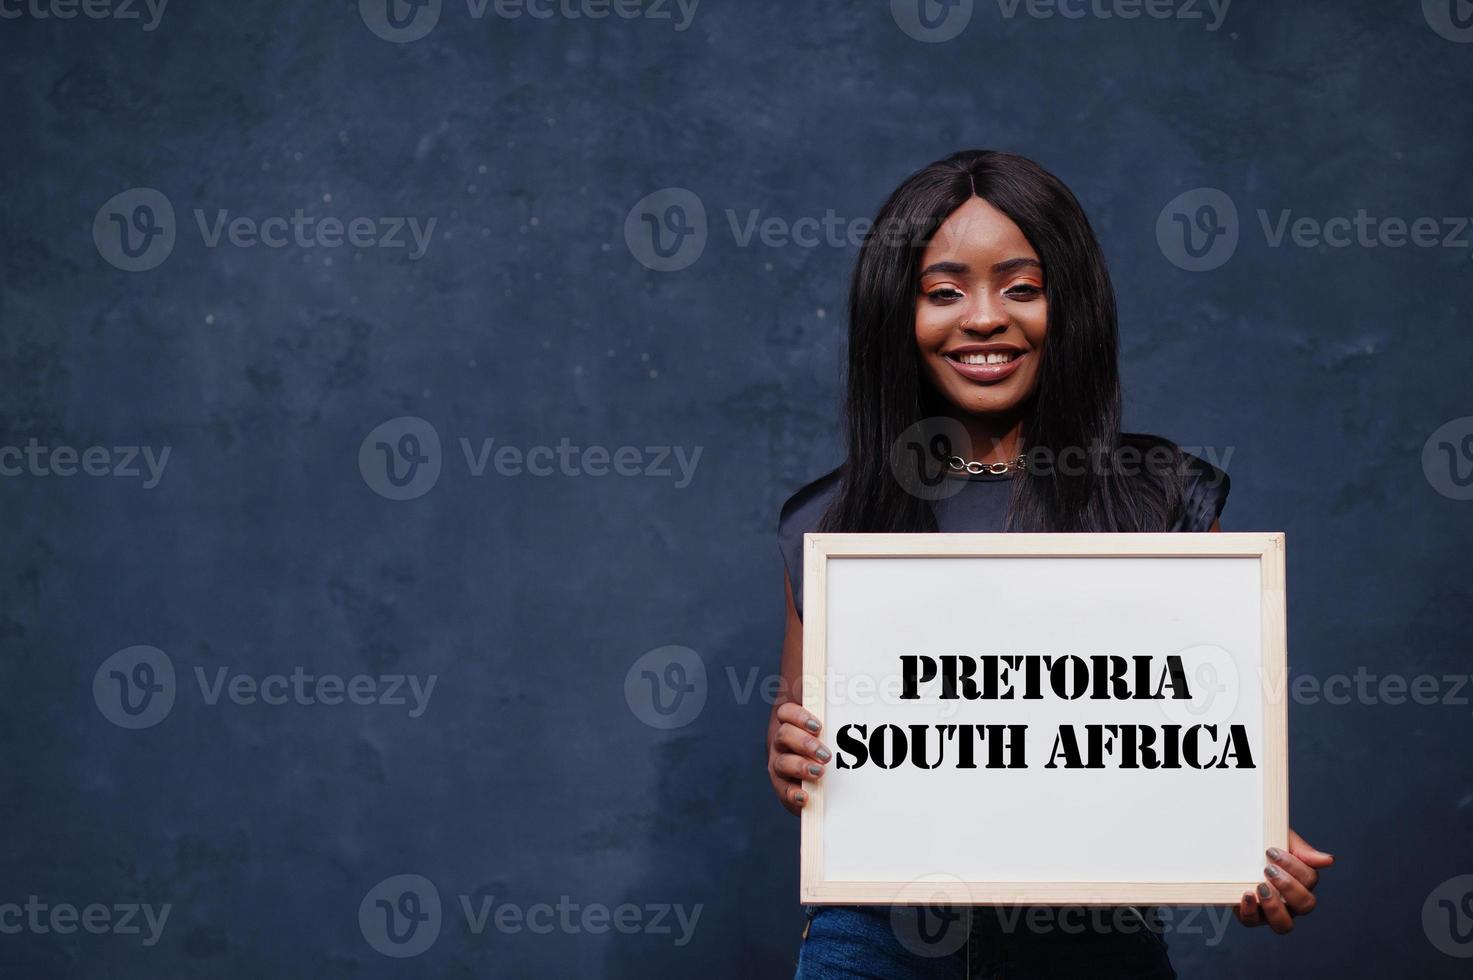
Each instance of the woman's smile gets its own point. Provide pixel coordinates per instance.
(985, 363)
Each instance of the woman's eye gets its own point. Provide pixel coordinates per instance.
(1024, 290)
(943, 294)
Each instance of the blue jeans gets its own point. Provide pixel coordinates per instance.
(913, 942)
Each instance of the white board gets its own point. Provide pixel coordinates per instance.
(1041, 833)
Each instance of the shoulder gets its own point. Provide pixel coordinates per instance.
(1204, 493)
(803, 511)
(1203, 488)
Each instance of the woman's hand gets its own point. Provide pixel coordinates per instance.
(794, 754)
(1288, 887)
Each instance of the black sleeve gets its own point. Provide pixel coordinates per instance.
(1204, 494)
(801, 514)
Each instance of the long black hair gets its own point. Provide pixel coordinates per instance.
(1077, 403)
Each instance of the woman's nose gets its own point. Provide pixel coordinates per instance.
(985, 319)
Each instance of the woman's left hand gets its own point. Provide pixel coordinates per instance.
(1288, 887)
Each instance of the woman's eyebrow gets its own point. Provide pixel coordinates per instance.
(1021, 262)
(955, 268)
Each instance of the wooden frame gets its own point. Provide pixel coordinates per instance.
(1266, 548)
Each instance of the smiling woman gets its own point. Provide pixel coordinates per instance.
(983, 344)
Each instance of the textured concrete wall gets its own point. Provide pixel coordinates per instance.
(502, 284)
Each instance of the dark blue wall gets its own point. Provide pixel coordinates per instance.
(530, 318)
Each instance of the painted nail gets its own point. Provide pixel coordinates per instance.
(815, 770)
(1263, 892)
(801, 797)
(812, 724)
(1274, 853)
(1272, 871)
(823, 755)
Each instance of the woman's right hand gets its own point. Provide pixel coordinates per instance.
(795, 754)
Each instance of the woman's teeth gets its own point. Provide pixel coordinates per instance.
(987, 357)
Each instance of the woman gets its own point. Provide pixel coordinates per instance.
(983, 395)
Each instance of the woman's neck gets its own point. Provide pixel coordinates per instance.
(995, 438)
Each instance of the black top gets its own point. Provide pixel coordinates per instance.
(980, 505)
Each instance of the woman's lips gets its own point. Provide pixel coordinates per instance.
(986, 373)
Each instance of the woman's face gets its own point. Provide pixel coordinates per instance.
(981, 314)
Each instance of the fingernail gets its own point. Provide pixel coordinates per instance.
(1263, 892)
(801, 797)
(823, 755)
(1272, 871)
(815, 770)
(1274, 853)
(812, 724)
